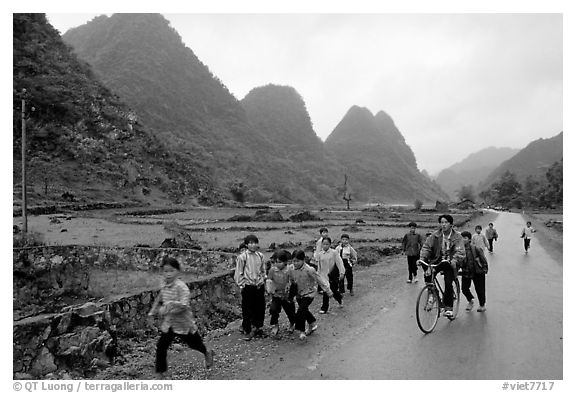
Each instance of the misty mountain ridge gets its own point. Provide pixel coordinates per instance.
(473, 169)
(184, 136)
(535, 159)
(376, 160)
(81, 138)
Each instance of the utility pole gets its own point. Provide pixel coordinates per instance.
(24, 216)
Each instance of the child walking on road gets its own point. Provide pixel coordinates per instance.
(278, 285)
(331, 269)
(492, 236)
(305, 279)
(474, 270)
(411, 245)
(349, 258)
(318, 247)
(250, 275)
(172, 306)
(526, 234)
(478, 239)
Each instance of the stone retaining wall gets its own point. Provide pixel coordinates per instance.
(82, 339)
(46, 273)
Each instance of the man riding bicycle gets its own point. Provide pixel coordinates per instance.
(444, 245)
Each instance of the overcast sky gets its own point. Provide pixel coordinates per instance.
(460, 81)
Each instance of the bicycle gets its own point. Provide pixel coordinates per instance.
(428, 303)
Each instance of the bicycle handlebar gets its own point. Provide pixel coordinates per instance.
(421, 262)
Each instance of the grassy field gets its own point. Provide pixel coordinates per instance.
(371, 232)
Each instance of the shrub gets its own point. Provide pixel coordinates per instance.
(30, 239)
(418, 204)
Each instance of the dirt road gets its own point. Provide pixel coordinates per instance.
(375, 335)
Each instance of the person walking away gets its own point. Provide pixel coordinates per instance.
(278, 285)
(526, 234)
(331, 269)
(304, 279)
(250, 276)
(474, 270)
(349, 258)
(411, 245)
(492, 236)
(478, 239)
(172, 306)
(445, 244)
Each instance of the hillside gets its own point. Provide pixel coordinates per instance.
(81, 138)
(473, 169)
(379, 163)
(306, 171)
(535, 159)
(143, 58)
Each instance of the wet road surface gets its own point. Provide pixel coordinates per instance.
(519, 337)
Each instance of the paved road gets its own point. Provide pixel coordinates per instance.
(519, 337)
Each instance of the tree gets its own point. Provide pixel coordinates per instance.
(347, 192)
(507, 189)
(418, 204)
(532, 190)
(466, 192)
(238, 191)
(43, 169)
(554, 193)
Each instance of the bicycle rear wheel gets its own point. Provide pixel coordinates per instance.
(427, 309)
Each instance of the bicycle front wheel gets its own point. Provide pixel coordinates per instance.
(427, 309)
(455, 296)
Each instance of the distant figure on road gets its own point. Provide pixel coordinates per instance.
(526, 234)
(478, 239)
(444, 244)
(411, 245)
(349, 258)
(492, 236)
(474, 270)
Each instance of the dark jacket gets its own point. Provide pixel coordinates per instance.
(412, 243)
(475, 262)
(432, 249)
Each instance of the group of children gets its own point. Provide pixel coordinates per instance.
(285, 277)
(290, 279)
(293, 278)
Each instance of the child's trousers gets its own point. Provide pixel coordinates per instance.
(348, 276)
(479, 281)
(193, 340)
(253, 307)
(276, 307)
(303, 314)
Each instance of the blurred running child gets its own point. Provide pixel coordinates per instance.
(172, 306)
(250, 276)
(278, 285)
(411, 245)
(331, 269)
(349, 258)
(305, 279)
